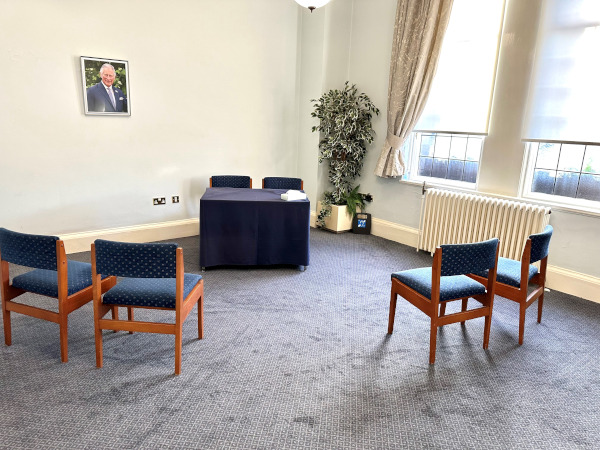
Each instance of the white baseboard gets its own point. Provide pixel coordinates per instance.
(395, 232)
(81, 242)
(559, 279)
(574, 283)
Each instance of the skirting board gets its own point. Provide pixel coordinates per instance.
(563, 280)
(81, 242)
(557, 278)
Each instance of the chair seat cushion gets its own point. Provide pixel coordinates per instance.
(451, 287)
(45, 282)
(509, 272)
(150, 292)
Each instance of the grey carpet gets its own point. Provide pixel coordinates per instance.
(297, 359)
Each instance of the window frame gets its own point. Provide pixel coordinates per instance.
(411, 156)
(526, 183)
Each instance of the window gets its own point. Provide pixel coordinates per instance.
(562, 129)
(453, 158)
(565, 170)
(447, 140)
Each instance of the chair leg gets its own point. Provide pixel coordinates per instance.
(201, 317)
(522, 309)
(463, 307)
(442, 309)
(540, 305)
(392, 312)
(114, 310)
(130, 316)
(64, 337)
(7, 328)
(486, 330)
(178, 342)
(432, 342)
(98, 338)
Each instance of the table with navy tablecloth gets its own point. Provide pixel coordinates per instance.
(253, 227)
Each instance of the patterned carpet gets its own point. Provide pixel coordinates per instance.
(295, 360)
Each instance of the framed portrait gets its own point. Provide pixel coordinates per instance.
(105, 87)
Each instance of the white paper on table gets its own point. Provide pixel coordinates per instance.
(293, 195)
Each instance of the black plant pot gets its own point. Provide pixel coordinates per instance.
(361, 223)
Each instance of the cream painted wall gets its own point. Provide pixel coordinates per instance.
(212, 90)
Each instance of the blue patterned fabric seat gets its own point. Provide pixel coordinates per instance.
(70, 282)
(231, 181)
(45, 282)
(509, 272)
(149, 292)
(451, 287)
(282, 183)
(431, 288)
(149, 277)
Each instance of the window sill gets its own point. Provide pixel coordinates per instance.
(556, 206)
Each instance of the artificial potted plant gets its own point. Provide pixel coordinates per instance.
(345, 123)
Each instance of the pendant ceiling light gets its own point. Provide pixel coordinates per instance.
(312, 4)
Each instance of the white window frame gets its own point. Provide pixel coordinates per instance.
(411, 156)
(549, 199)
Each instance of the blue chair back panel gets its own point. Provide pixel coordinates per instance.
(540, 243)
(232, 181)
(31, 250)
(460, 259)
(135, 260)
(283, 183)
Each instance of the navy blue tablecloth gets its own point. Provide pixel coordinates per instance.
(253, 227)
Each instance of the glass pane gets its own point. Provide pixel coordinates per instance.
(470, 172)
(427, 144)
(474, 148)
(543, 181)
(442, 146)
(589, 187)
(591, 161)
(425, 166)
(547, 156)
(458, 147)
(566, 184)
(455, 169)
(571, 157)
(440, 167)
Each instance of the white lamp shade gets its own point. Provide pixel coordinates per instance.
(312, 3)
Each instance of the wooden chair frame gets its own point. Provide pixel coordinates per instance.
(66, 303)
(519, 295)
(433, 305)
(183, 307)
(210, 183)
(301, 184)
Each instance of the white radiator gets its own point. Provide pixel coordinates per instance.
(454, 217)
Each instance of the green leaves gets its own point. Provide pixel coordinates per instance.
(345, 122)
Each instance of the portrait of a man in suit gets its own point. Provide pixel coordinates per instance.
(105, 87)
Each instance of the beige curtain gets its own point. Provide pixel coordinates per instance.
(418, 34)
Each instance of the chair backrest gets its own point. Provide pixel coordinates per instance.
(31, 250)
(540, 243)
(125, 259)
(460, 259)
(282, 183)
(231, 181)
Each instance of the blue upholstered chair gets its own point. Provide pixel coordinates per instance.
(282, 183)
(430, 289)
(231, 181)
(513, 277)
(70, 282)
(152, 277)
